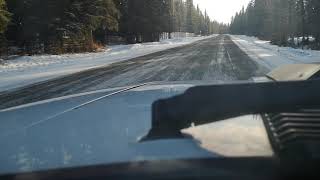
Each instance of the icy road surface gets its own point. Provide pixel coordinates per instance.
(26, 70)
(217, 58)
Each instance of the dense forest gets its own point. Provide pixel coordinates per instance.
(281, 21)
(60, 26)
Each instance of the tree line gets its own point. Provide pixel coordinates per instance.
(60, 26)
(4, 20)
(280, 21)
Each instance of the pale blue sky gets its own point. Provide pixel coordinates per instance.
(221, 10)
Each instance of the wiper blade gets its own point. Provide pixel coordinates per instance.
(207, 104)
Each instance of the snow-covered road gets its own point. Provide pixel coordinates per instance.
(27, 70)
(217, 58)
(213, 59)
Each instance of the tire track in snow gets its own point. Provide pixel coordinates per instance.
(217, 58)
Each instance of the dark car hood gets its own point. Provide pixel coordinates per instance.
(107, 131)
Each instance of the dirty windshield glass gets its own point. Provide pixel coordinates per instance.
(78, 77)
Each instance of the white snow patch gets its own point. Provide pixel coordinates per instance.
(27, 70)
(272, 56)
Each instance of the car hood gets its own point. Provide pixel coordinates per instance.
(39, 136)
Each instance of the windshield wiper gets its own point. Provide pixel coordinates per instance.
(206, 104)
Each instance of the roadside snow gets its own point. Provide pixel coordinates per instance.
(272, 56)
(27, 70)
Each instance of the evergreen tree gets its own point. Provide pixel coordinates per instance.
(75, 25)
(4, 16)
(197, 19)
(168, 17)
(86, 16)
(292, 21)
(313, 19)
(279, 20)
(4, 20)
(190, 16)
(301, 20)
(206, 24)
(180, 16)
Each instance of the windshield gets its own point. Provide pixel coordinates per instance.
(59, 57)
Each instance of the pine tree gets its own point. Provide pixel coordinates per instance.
(75, 25)
(168, 16)
(4, 16)
(206, 24)
(250, 16)
(313, 19)
(196, 20)
(190, 16)
(301, 20)
(275, 20)
(262, 18)
(292, 21)
(180, 15)
(4, 20)
(93, 14)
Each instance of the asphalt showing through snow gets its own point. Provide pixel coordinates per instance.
(216, 58)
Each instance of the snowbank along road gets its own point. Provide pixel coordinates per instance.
(216, 58)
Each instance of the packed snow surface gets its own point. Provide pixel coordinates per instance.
(27, 70)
